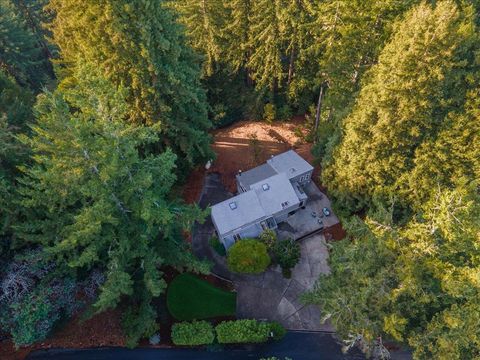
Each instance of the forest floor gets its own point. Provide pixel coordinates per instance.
(240, 146)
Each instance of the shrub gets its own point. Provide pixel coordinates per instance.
(269, 238)
(31, 317)
(287, 255)
(248, 256)
(217, 246)
(269, 112)
(284, 113)
(242, 331)
(194, 333)
(278, 330)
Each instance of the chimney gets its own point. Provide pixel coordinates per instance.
(240, 172)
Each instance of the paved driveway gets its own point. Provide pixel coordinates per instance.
(271, 296)
(268, 295)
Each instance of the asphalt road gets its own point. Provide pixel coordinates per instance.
(295, 345)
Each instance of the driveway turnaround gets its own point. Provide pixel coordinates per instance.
(296, 346)
(269, 295)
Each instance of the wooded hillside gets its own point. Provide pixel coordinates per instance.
(106, 107)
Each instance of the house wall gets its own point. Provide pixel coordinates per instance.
(250, 231)
(302, 178)
(283, 215)
(240, 187)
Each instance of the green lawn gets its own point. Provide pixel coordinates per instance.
(189, 298)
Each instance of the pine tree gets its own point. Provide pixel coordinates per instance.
(267, 69)
(15, 113)
(237, 34)
(204, 22)
(423, 74)
(414, 283)
(20, 55)
(140, 46)
(93, 198)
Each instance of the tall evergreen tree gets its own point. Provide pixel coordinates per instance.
(237, 34)
(421, 81)
(93, 198)
(140, 46)
(20, 54)
(267, 41)
(15, 112)
(415, 283)
(204, 22)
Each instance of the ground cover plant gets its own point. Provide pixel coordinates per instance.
(190, 298)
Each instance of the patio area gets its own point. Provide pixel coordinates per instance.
(310, 220)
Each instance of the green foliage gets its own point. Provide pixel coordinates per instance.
(410, 106)
(190, 298)
(412, 283)
(287, 255)
(242, 331)
(248, 256)
(204, 21)
(21, 55)
(129, 45)
(269, 238)
(139, 322)
(15, 112)
(278, 330)
(217, 246)
(194, 333)
(269, 112)
(93, 197)
(29, 316)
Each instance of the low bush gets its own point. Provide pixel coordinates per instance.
(194, 333)
(269, 238)
(217, 246)
(287, 255)
(248, 256)
(277, 330)
(269, 112)
(242, 331)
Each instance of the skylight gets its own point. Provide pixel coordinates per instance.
(233, 205)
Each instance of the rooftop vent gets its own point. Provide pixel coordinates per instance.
(265, 187)
(233, 205)
(292, 170)
(285, 204)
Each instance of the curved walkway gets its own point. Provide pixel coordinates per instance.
(269, 295)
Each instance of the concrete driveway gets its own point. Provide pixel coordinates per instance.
(271, 296)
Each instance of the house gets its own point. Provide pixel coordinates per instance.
(267, 196)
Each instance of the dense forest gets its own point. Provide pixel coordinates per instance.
(106, 106)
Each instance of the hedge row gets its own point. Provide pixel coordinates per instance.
(242, 331)
(228, 332)
(194, 333)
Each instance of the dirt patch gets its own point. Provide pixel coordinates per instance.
(248, 144)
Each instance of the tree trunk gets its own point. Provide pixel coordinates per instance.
(323, 89)
(291, 67)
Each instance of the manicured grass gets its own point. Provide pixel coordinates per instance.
(190, 298)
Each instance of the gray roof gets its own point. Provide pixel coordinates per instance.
(248, 210)
(255, 175)
(275, 191)
(289, 163)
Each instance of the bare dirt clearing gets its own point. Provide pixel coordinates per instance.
(245, 145)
